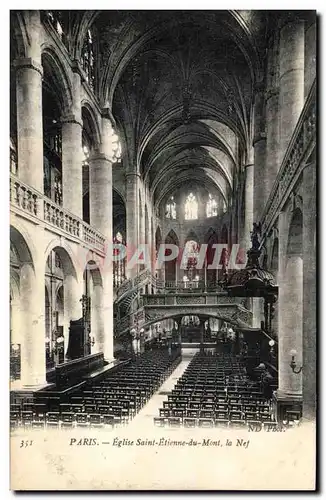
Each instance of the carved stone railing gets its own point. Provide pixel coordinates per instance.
(134, 319)
(24, 197)
(33, 203)
(131, 283)
(56, 216)
(193, 299)
(300, 147)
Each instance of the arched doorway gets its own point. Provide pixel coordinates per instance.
(64, 295)
(190, 329)
(27, 326)
(94, 309)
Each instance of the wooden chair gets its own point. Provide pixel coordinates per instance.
(53, 419)
(189, 422)
(95, 420)
(27, 418)
(174, 422)
(82, 420)
(237, 424)
(206, 422)
(67, 419)
(224, 423)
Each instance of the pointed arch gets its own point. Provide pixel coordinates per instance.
(58, 73)
(192, 236)
(91, 124)
(172, 237)
(294, 246)
(66, 255)
(158, 237)
(211, 235)
(22, 246)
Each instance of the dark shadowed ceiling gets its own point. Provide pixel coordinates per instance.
(180, 85)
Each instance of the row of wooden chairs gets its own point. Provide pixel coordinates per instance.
(203, 397)
(62, 420)
(177, 422)
(216, 414)
(119, 395)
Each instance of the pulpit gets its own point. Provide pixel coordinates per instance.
(78, 345)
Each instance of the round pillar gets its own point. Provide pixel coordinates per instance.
(249, 205)
(29, 122)
(72, 184)
(259, 143)
(309, 372)
(72, 294)
(100, 168)
(291, 79)
(132, 218)
(290, 319)
(32, 308)
(309, 53)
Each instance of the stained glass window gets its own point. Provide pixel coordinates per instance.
(119, 267)
(191, 207)
(211, 206)
(88, 59)
(171, 209)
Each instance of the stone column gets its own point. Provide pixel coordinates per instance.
(32, 307)
(249, 205)
(132, 218)
(259, 143)
(100, 168)
(72, 155)
(272, 112)
(309, 297)
(73, 290)
(29, 74)
(290, 322)
(29, 122)
(309, 53)
(257, 311)
(291, 78)
(141, 205)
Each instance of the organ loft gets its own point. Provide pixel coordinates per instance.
(162, 218)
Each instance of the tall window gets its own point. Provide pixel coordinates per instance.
(85, 177)
(119, 267)
(88, 59)
(224, 207)
(211, 206)
(171, 209)
(13, 158)
(191, 207)
(55, 18)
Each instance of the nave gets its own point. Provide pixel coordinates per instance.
(163, 387)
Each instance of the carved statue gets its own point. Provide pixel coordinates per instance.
(254, 235)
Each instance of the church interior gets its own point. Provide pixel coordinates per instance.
(137, 131)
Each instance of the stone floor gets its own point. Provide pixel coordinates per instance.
(151, 409)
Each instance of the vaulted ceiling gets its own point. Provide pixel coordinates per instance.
(181, 89)
(180, 85)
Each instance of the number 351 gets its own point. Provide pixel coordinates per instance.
(24, 444)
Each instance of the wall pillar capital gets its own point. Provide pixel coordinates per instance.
(28, 63)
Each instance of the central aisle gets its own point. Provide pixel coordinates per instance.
(151, 409)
